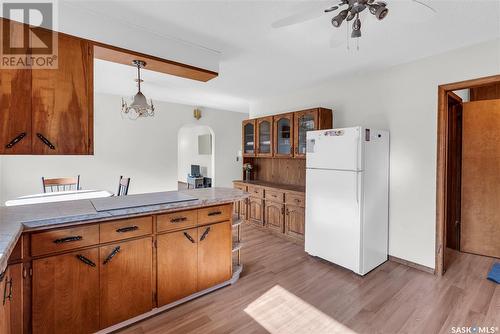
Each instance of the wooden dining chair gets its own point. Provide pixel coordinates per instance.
(61, 184)
(123, 186)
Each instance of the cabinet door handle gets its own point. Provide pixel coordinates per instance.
(112, 254)
(68, 239)
(85, 260)
(189, 237)
(9, 296)
(127, 229)
(16, 140)
(204, 235)
(45, 141)
(178, 220)
(215, 213)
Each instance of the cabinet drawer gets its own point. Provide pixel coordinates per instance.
(125, 228)
(240, 186)
(275, 195)
(295, 199)
(256, 191)
(214, 214)
(64, 239)
(176, 220)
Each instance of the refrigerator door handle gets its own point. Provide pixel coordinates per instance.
(357, 189)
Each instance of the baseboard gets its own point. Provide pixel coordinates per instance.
(412, 264)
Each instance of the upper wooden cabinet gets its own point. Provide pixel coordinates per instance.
(49, 111)
(62, 101)
(248, 134)
(283, 135)
(309, 120)
(264, 136)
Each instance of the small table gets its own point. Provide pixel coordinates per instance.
(59, 196)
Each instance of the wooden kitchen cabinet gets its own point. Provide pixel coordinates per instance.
(214, 254)
(295, 221)
(126, 287)
(16, 298)
(248, 138)
(240, 207)
(4, 303)
(256, 210)
(274, 216)
(309, 120)
(177, 260)
(66, 293)
(283, 135)
(264, 136)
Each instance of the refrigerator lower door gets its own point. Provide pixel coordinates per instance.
(332, 230)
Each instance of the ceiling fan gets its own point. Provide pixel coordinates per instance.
(349, 10)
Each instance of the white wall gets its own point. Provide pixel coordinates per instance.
(187, 152)
(145, 150)
(402, 99)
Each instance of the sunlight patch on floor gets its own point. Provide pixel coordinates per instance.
(280, 311)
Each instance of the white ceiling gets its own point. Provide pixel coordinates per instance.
(258, 61)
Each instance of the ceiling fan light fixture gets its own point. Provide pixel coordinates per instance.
(356, 28)
(339, 18)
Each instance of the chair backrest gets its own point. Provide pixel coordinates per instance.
(61, 184)
(123, 186)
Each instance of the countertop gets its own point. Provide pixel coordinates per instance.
(15, 220)
(287, 187)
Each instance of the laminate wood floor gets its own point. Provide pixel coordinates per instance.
(283, 290)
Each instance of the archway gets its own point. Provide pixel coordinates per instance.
(195, 146)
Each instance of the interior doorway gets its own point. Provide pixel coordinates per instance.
(195, 147)
(468, 172)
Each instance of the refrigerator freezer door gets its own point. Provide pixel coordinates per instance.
(338, 149)
(332, 229)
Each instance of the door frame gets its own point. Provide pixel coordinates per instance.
(442, 160)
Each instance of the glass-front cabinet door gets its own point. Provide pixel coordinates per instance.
(249, 138)
(283, 135)
(264, 136)
(304, 121)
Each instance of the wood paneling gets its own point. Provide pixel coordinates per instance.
(480, 228)
(274, 216)
(66, 293)
(280, 171)
(123, 56)
(64, 239)
(295, 221)
(176, 221)
(125, 228)
(125, 280)
(177, 265)
(214, 254)
(488, 92)
(62, 100)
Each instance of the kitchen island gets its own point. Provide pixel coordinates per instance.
(76, 267)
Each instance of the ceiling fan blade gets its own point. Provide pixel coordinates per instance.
(331, 9)
(425, 5)
(298, 18)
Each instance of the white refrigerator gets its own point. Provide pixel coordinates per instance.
(347, 197)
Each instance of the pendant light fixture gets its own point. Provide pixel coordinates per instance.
(139, 106)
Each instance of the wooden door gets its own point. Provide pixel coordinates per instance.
(283, 135)
(480, 227)
(4, 306)
(214, 254)
(304, 121)
(65, 290)
(295, 222)
(125, 280)
(255, 210)
(177, 260)
(265, 136)
(16, 299)
(274, 216)
(62, 101)
(248, 138)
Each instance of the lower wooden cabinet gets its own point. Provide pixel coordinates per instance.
(295, 221)
(16, 298)
(256, 210)
(126, 286)
(4, 304)
(66, 293)
(177, 258)
(274, 216)
(214, 254)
